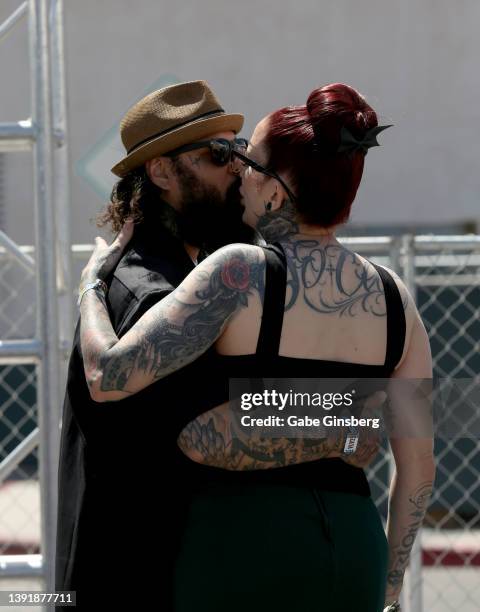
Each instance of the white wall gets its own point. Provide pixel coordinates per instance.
(414, 60)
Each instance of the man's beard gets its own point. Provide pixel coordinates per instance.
(207, 219)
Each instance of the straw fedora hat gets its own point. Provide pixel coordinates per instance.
(169, 118)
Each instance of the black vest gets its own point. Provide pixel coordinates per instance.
(116, 482)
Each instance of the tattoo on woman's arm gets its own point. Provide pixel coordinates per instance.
(400, 553)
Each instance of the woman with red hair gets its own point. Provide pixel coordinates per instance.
(273, 524)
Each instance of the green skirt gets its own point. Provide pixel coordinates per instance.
(281, 548)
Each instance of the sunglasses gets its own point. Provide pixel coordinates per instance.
(256, 166)
(221, 150)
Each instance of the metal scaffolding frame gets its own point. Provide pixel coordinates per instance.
(45, 136)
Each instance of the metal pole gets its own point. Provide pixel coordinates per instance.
(21, 451)
(61, 197)
(13, 566)
(61, 190)
(47, 329)
(469, 242)
(414, 585)
(396, 265)
(20, 351)
(16, 136)
(15, 17)
(22, 258)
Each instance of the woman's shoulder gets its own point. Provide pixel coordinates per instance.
(245, 252)
(408, 302)
(236, 266)
(405, 295)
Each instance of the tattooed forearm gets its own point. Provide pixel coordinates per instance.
(175, 331)
(217, 438)
(405, 516)
(96, 334)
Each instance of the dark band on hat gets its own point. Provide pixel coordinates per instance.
(213, 113)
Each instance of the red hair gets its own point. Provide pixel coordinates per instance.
(302, 142)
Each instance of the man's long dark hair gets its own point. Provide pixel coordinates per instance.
(131, 197)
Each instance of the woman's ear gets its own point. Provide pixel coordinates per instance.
(277, 197)
(159, 171)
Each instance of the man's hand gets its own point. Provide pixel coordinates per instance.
(105, 257)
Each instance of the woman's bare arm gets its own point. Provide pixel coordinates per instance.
(174, 332)
(414, 475)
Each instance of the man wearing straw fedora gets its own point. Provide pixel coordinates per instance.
(119, 508)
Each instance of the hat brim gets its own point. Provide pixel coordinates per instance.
(177, 138)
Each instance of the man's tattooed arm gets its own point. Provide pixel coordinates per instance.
(217, 438)
(174, 332)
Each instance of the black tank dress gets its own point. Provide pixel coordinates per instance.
(292, 537)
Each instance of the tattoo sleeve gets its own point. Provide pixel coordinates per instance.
(216, 438)
(172, 333)
(408, 502)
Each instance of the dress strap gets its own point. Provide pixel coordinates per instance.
(396, 322)
(273, 300)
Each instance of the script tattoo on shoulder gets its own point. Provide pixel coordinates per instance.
(317, 273)
(187, 325)
(317, 270)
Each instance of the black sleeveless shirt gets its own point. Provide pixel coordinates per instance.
(329, 474)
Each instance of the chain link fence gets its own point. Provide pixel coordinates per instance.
(19, 493)
(448, 296)
(444, 276)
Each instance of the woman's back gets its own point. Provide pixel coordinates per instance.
(334, 308)
(260, 344)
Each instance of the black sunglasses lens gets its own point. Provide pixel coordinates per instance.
(220, 151)
(241, 144)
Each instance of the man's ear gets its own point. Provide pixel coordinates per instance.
(159, 171)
